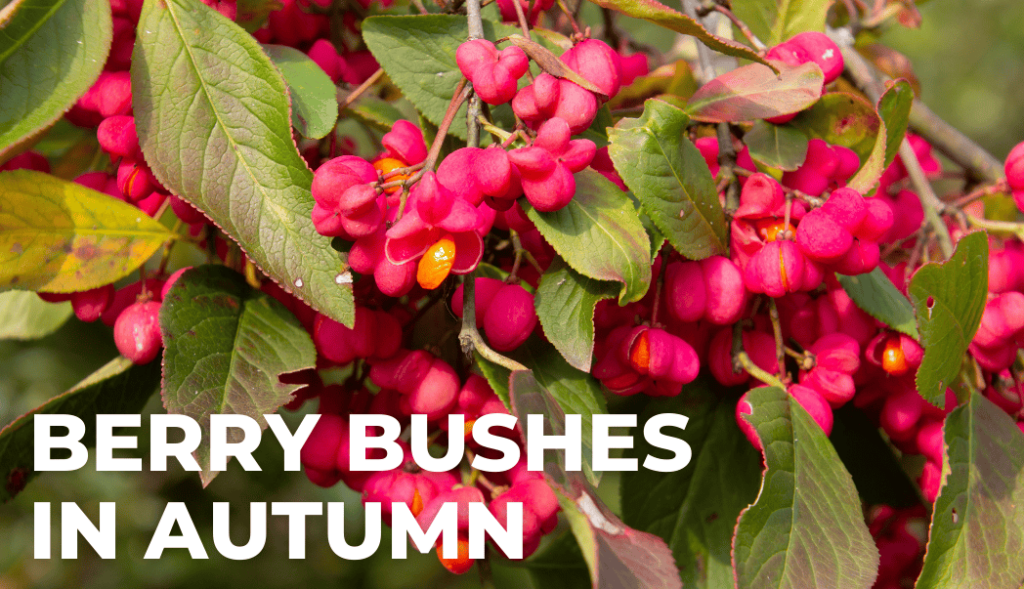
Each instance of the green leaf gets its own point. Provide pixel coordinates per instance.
(878, 296)
(228, 149)
(754, 92)
(842, 119)
(374, 112)
(774, 21)
(560, 565)
(695, 509)
(565, 305)
(663, 16)
(225, 345)
(59, 236)
(25, 316)
(118, 387)
(776, 146)
(418, 54)
(51, 51)
(667, 173)
(977, 531)
(877, 474)
(599, 235)
(893, 107)
(573, 390)
(616, 555)
(806, 528)
(949, 299)
(313, 96)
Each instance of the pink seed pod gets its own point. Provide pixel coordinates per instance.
(547, 166)
(405, 142)
(137, 332)
(994, 359)
(461, 496)
(837, 351)
(908, 216)
(531, 526)
(901, 413)
(849, 163)
(435, 394)
(846, 206)
(494, 73)
(550, 97)
(126, 296)
(185, 211)
(835, 387)
(821, 238)
(822, 51)
(31, 160)
(342, 344)
(930, 442)
(112, 94)
(116, 135)
(758, 345)
(321, 448)
(878, 220)
(760, 198)
(597, 63)
(1014, 168)
(171, 280)
(135, 180)
(861, 258)
(685, 289)
(510, 318)
(484, 291)
(994, 329)
(775, 270)
(814, 175)
(90, 305)
(815, 405)
(931, 480)
(726, 294)
(402, 372)
(745, 408)
(324, 54)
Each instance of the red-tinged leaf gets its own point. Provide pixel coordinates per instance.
(755, 92)
(891, 62)
(616, 555)
(661, 15)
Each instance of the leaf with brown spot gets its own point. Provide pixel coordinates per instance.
(58, 236)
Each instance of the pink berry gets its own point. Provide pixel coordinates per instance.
(494, 73)
(814, 404)
(137, 332)
(90, 305)
(1015, 168)
(510, 318)
(597, 63)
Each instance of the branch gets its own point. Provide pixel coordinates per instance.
(476, 31)
(865, 77)
(470, 338)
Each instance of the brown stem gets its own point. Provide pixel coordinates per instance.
(982, 192)
(780, 345)
(742, 26)
(523, 23)
(360, 90)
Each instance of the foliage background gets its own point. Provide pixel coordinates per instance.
(969, 58)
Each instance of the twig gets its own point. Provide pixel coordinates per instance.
(476, 31)
(742, 26)
(982, 192)
(931, 203)
(360, 90)
(864, 76)
(780, 345)
(953, 144)
(523, 23)
(469, 337)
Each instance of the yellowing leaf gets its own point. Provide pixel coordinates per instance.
(58, 236)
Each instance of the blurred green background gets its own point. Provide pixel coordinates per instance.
(969, 58)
